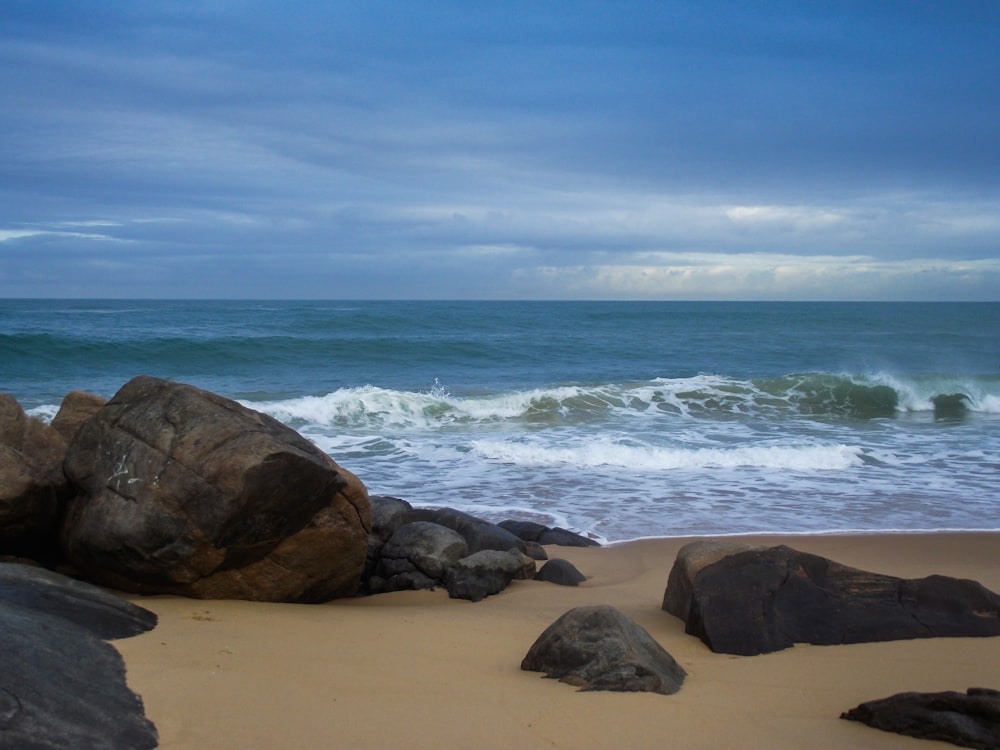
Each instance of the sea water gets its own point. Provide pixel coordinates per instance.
(616, 419)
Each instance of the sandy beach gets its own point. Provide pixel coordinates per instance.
(419, 670)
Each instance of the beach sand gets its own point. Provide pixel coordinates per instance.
(419, 670)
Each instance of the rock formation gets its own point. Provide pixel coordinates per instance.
(183, 491)
(742, 600)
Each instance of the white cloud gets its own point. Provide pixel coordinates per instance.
(766, 276)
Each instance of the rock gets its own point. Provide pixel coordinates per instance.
(182, 491)
(420, 547)
(758, 600)
(533, 550)
(105, 615)
(560, 571)
(599, 648)
(387, 515)
(970, 719)
(32, 483)
(478, 534)
(530, 531)
(484, 573)
(61, 685)
(565, 538)
(76, 408)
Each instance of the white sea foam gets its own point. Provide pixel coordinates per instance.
(601, 452)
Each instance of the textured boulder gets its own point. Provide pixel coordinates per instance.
(561, 572)
(182, 491)
(485, 573)
(61, 685)
(31, 482)
(970, 719)
(757, 600)
(599, 648)
(418, 555)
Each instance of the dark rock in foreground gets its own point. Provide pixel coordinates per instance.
(599, 648)
(970, 719)
(746, 601)
(561, 572)
(61, 685)
(185, 492)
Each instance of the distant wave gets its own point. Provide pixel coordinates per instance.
(815, 395)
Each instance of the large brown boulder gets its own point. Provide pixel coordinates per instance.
(31, 482)
(183, 491)
(76, 408)
(756, 600)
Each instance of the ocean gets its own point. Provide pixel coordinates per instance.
(616, 419)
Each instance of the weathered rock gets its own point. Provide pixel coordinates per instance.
(76, 408)
(526, 530)
(561, 572)
(760, 600)
(183, 491)
(600, 648)
(484, 573)
(420, 547)
(31, 483)
(61, 685)
(970, 719)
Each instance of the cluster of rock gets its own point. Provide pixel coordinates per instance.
(422, 548)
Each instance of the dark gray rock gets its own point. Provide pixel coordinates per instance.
(560, 571)
(420, 547)
(566, 538)
(970, 719)
(184, 492)
(533, 550)
(530, 531)
(600, 648)
(758, 600)
(484, 573)
(61, 685)
(102, 613)
(478, 534)
(526, 530)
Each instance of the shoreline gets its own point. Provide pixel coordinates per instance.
(417, 669)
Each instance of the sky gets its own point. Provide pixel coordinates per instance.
(710, 150)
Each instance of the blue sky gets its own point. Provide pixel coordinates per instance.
(589, 150)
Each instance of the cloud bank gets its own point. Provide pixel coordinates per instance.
(390, 150)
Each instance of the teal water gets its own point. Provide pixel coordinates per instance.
(619, 419)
